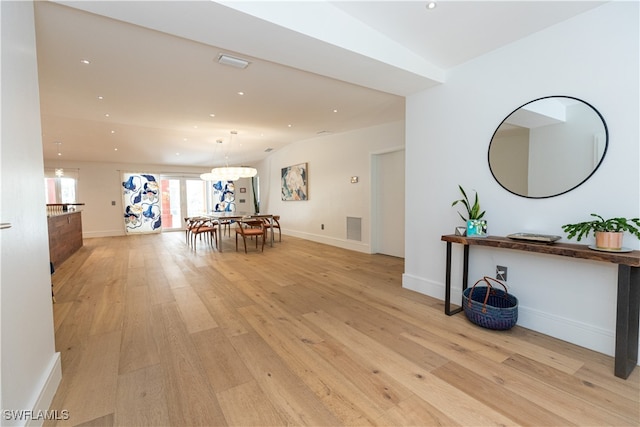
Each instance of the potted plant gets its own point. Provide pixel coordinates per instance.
(608, 232)
(476, 226)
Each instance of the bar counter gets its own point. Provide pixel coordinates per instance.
(65, 235)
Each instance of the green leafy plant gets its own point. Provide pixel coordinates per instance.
(582, 229)
(473, 211)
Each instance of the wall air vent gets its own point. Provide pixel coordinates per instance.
(232, 61)
(354, 228)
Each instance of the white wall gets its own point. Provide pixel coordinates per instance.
(30, 370)
(594, 57)
(331, 160)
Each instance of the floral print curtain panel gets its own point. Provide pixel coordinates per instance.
(224, 196)
(141, 201)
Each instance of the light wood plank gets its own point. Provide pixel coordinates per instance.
(414, 412)
(141, 399)
(92, 392)
(350, 404)
(109, 312)
(537, 390)
(247, 405)
(190, 398)
(283, 388)
(225, 316)
(194, 313)
(138, 348)
(458, 405)
(521, 410)
(221, 362)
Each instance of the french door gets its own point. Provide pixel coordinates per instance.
(182, 197)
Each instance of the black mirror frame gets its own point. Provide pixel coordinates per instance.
(604, 153)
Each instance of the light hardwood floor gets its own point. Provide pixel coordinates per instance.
(152, 333)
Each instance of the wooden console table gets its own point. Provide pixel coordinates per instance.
(628, 299)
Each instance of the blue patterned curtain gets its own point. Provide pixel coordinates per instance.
(141, 201)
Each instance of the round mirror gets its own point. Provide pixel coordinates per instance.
(548, 146)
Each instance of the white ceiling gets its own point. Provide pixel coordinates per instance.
(154, 64)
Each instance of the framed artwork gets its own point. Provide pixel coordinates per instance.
(293, 180)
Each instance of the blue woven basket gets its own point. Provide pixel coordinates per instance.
(489, 307)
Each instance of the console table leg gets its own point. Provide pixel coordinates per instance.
(465, 277)
(627, 317)
(465, 268)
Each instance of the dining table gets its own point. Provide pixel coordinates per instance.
(220, 217)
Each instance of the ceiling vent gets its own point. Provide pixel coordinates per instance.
(232, 61)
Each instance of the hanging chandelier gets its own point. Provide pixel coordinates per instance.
(229, 173)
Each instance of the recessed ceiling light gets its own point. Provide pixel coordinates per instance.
(85, 61)
(113, 131)
(290, 126)
(212, 115)
(106, 115)
(431, 5)
(335, 110)
(240, 93)
(100, 97)
(115, 149)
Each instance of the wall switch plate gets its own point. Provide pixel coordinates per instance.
(501, 273)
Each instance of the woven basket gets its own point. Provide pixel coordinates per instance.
(489, 307)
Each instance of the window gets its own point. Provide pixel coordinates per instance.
(61, 189)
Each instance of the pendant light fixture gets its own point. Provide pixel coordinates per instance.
(229, 173)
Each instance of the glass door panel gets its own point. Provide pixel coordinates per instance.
(196, 197)
(171, 212)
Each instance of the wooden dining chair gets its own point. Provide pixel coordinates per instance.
(251, 229)
(189, 223)
(203, 227)
(275, 224)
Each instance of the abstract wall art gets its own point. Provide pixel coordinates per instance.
(293, 181)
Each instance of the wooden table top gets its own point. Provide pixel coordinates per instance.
(572, 250)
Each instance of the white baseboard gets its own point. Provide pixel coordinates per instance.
(48, 390)
(103, 233)
(578, 333)
(341, 243)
